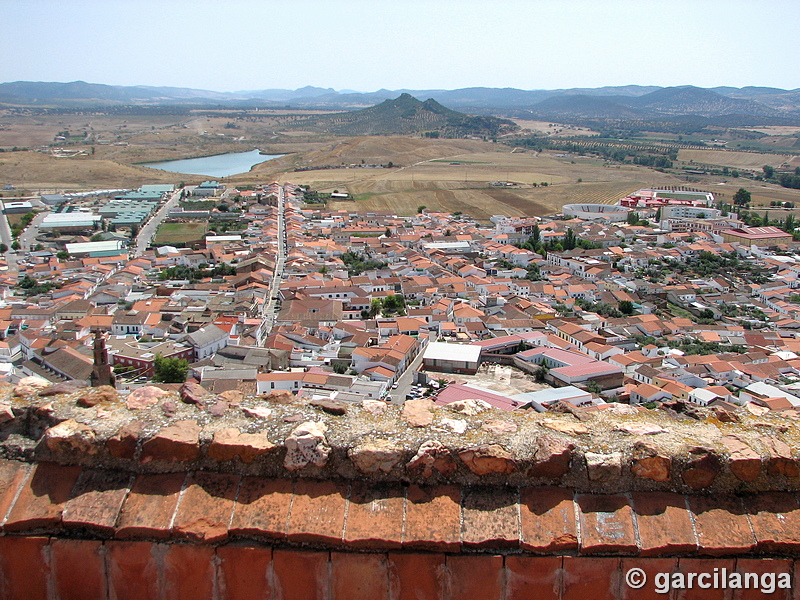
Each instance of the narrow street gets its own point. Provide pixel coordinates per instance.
(148, 230)
(270, 310)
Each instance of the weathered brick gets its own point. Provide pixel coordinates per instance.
(317, 514)
(150, 506)
(474, 576)
(78, 569)
(651, 567)
(766, 569)
(176, 443)
(780, 460)
(375, 516)
(547, 518)
(262, 507)
(775, 517)
(230, 443)
(533, 577)
(359, 576)
(490, 517)
(123, 444)
(24, 567)
(721, 525)
(433, 518)
(41, 501)
(697, 566)
(416, 576)
(591, 577)
(134, 569)
(745, 463)
(606, 523)
(12, 476)
(665, 525)
(188, 571)
(243, 572)
(205, 509)
(96, 501)
(300, 575)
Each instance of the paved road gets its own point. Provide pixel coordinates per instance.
(27, 238)
(270, 310)
(148, 230)
(5, 238)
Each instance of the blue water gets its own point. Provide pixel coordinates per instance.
(220, 165)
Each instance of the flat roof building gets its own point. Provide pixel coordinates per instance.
(757, 236)
(452, 358)
(76, 221)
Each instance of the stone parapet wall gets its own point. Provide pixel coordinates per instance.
(177, 493)
(617, 450)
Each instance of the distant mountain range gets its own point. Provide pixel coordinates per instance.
(632, 102)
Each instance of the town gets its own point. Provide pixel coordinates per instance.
(665, 297)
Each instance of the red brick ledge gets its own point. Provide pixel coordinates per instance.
(207, 508)
(41, 568)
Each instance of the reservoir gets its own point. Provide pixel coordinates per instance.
(220, 165)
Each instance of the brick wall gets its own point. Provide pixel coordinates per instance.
(59, 569)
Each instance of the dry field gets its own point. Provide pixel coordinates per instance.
(451, 175)
(554, 129)
(736, 160)
(33, 170)
(441, 174)
(776, 129)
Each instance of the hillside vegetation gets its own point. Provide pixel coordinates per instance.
(407, 115)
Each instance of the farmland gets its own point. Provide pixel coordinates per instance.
(734, 160)
(441, 174)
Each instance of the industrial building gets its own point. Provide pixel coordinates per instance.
(452, 358)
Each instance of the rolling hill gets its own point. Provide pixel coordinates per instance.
(405, 114)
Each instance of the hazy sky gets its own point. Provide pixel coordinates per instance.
(229, 45)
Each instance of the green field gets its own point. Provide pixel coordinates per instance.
(179, 233)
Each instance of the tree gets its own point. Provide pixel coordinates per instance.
(626, 307)
(768, 171)
(15, 245)
(593, 388)
(3, 248)
(569, 240)
(421, 208)
(62, 255)
(741, 197)
(170, 370)
(339, 368)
